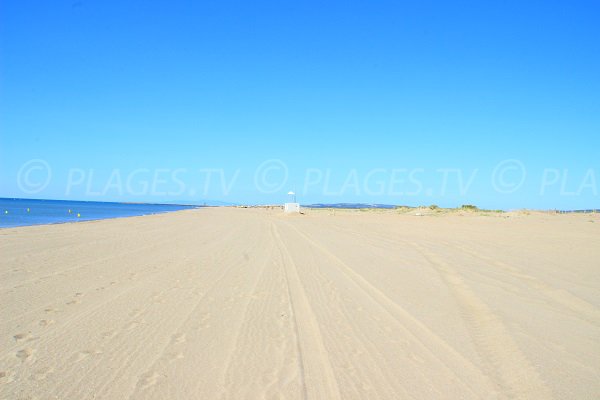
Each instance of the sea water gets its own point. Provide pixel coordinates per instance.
(21, 212)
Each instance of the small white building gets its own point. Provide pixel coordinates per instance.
(291, 207)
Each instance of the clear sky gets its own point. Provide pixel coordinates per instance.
(448, 102)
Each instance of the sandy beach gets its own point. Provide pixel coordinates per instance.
(227, 303)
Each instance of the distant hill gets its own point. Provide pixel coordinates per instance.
(201, 203)
(349, 205)
(579, 211)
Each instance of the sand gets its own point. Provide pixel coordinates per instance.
(225, 303)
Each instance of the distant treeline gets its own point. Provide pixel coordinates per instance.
(350, 205)
(596, 210)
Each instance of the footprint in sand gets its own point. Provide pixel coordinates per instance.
(159, 298)
(132, 325)
(178, 338)
(6, 377)
(174, 357)
(24, 354)
(205, 317)
(76, 300)
(109, 334)
(24, 337)
(79, 356)
(46, 322)
(150, 379)
(51, 310)
(41, 374)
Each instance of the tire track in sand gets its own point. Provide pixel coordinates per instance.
(578, 306)
(319, 380)
(518, 379)
(429, 341)
(515, 374)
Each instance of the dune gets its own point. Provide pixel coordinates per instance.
(227, 303)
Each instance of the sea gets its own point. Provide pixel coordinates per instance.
(23, 212)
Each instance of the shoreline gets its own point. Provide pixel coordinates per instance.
(81, 221)
(357, 211)
(16, 212)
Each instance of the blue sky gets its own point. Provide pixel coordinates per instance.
(387, 102)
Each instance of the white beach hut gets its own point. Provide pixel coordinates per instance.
(292, 207)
